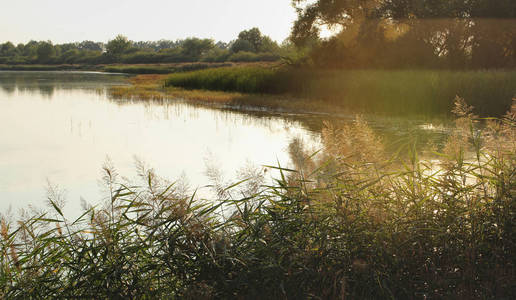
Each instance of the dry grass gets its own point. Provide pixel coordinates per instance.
(151, 87)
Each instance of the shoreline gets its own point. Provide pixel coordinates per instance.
(151, 87)
(387, 93)
(134, 69)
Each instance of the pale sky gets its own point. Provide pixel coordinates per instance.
(64, 21)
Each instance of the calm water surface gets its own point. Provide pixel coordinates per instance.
(61, 127)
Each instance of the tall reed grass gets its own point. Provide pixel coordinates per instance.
(391, 91)
(239, 79)
(347, 222)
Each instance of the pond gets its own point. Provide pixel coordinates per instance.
(62, 127)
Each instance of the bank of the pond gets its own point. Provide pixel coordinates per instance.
(375, 91)
(165, 68)
(152, 87)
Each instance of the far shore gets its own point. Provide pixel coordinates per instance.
(163, 68)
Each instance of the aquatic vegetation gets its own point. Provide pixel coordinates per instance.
(378, 91)
(347, 221)
(162, 68)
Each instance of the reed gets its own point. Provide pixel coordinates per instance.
(348, 222)
(378, 91)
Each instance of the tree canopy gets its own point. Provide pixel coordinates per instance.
(251, 45)
(118, 46)
(45, 51)
(253, 40)
(448, 33)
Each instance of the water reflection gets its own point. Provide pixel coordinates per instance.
(61, 126)
(46, 83)
(417, 130)
(66, 135)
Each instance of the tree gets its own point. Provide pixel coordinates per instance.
(90, 45)
(45, 51)
(7, 49)
(268, 45)
(242, 45)
(253, 40)
(30, 49)
(117, 46)
(253, 36)
(166, 44)
(194, 48)
(70, 56)
(383, 32)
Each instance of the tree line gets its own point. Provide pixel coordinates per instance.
(251, 45)
(451, 34)
(408, 33)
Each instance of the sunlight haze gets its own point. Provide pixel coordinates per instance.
(67, 21)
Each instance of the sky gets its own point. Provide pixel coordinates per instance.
(62, 21)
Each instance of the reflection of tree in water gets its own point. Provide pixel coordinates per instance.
(8, 89)
(47, 83)
(46, 90)
(398, 133)
(263, 118)
(395, 131)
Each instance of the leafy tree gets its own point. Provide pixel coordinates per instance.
(70, 56)
(45, 51)
(165, 44)
(450, 33)
(90, 45)
(253, 36)
(117, 46)
(120, 49)
(68, 46)
(194, 48)
(242, 45)
(268, 45)
(222, 45)
(252, 40)
(7, 49)
(216, 55)
(30, 49)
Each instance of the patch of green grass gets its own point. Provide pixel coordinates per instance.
(236, 79)
(423, 91)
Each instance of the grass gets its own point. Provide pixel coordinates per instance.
(490, 92)
(162, 69)
(378, 91)
(151, 87)
(240, 79)
(349, 222)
